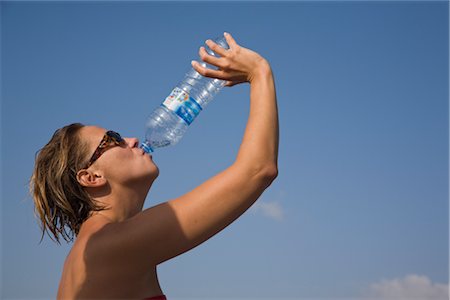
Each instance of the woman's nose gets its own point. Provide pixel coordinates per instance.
(132, 142)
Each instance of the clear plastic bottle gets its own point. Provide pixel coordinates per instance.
(167, 124)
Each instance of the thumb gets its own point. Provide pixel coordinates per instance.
(229, 83)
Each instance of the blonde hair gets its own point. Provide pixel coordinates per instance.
(61, 203)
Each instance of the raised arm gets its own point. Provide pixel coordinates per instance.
(219, 201)
(169, 229)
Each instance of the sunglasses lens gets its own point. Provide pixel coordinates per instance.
(115, 136)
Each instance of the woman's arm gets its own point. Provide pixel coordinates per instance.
(169, 229)
(259, 147)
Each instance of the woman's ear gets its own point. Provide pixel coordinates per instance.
(90, 179)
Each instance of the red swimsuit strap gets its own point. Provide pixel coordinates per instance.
(162, 297)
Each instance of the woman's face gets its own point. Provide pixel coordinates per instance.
(123, 164)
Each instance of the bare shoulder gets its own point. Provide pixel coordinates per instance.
(133, 241)
(98, 267)
(98, 240)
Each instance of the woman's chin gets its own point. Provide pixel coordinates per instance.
(153, 173)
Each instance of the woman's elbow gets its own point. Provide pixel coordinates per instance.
(268, 174)
(263, 174)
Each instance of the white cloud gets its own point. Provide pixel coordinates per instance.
(410, 287)
(272, 210)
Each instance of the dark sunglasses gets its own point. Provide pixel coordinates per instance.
(111, 138)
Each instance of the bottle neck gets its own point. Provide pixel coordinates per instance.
(146, 147)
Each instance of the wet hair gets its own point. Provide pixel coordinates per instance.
(61, 203)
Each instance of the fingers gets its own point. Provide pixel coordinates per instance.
(206, 72)
(230, 83)
(230, 40)
(216, 48)
(212, 60)
(222, 62)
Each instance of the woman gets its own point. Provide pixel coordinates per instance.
(91, 183)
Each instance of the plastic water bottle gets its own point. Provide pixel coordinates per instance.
(167, 124)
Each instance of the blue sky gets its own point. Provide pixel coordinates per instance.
(360, 207)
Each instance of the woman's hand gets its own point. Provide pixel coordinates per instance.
(235, 65)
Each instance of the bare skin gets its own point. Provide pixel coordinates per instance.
(117, 250)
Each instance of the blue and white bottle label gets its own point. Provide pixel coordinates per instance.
(183, 105)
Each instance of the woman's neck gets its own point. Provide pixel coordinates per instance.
(121, 202)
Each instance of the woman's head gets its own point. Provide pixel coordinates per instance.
(65, 180)
(123, 165)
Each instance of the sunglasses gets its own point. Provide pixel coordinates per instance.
(111, 138)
